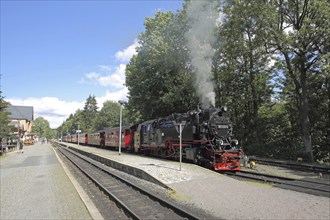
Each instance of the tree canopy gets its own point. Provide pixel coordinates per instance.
(270, 66)
(266, 60)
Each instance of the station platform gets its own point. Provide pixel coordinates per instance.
(34, 185)
(218, 194)
(159, 171)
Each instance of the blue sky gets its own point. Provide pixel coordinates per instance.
(54, 54)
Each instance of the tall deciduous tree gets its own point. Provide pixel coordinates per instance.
(109, 116)
(299, 31)
(158, 77)
(242, 68)
(41, 126)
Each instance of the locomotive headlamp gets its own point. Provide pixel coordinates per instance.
(234, 142)
(224, 108)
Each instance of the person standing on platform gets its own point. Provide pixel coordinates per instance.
(21, 144)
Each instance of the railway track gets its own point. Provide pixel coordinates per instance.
(320, 187)
(132, 201)
(325, 170)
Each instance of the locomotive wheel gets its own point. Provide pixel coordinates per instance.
(170, 152)
(162, 152)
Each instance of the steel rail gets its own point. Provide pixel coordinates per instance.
(285, 181)
(293, 165)
(327, 182)
(178, 210)
(126, 208)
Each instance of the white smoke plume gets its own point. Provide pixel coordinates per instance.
(202, 18)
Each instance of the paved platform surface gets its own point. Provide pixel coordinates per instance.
(224, 197)
(34, 185)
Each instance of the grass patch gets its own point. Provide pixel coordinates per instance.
(177, 196)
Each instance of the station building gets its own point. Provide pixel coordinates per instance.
(21, 117)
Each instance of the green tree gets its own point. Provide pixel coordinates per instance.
(88, 114)
(4, 117)
(158, 77)
(242, 69)
(277, 133)
(78, 118)
(70, 126)
(299, 31)
(108, 116)
(41, 126)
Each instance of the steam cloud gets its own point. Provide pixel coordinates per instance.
(202, 18)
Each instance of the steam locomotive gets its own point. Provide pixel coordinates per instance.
(206, 138)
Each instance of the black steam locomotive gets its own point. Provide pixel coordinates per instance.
(206, 138)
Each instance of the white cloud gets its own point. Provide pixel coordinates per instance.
(52, 109)
(92, 75)
(113, 96)
(105, 68)
(56, 111)
(126, 54)
(112, 77)
(115, 78)
(107, 77)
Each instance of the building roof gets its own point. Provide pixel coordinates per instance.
(20, 112)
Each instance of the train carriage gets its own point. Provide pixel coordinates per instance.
(112, 137)
(83, 138)
(72, 138)
(96, 138)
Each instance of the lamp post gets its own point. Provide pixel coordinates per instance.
(78, 123)
(121, 102)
